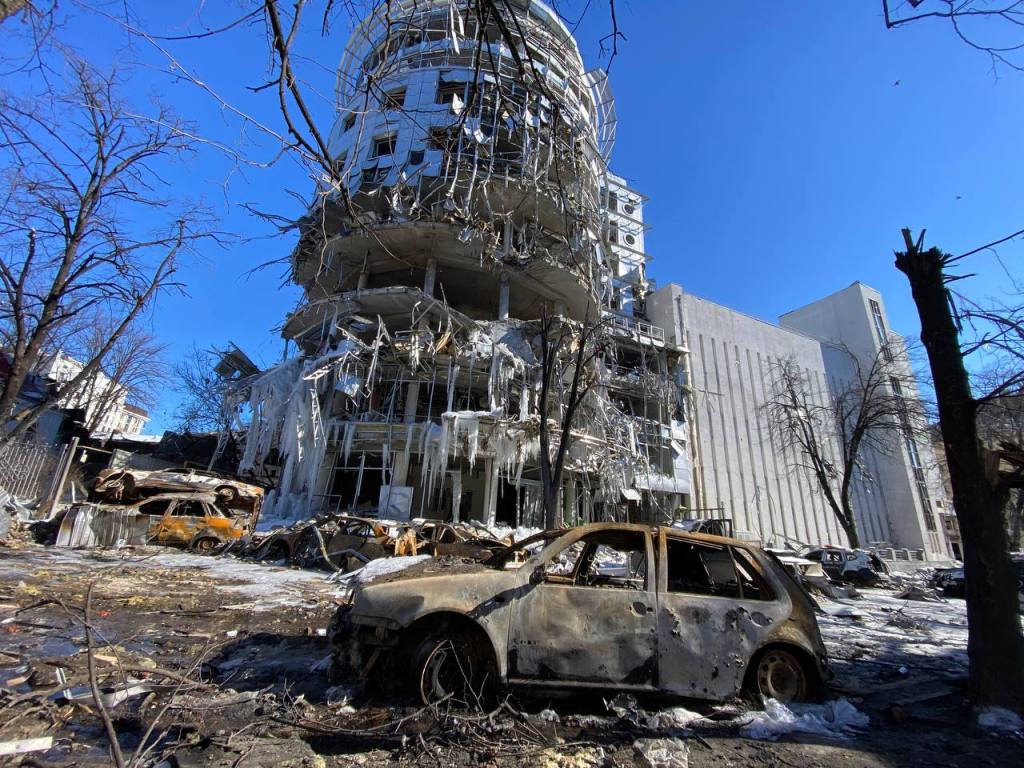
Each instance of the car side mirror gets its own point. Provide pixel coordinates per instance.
(537, 575)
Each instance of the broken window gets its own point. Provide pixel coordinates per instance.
(416, 157)
(155, 507)
(384, 145)
(607, 559)
(374, 175)
(394, 99)
(701, 569)
(339, 163)
(753, 585)
(613, 232)
(190, 509)
(350, 120)
(439, 138)
(447, 91)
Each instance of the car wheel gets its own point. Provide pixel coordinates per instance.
(451, 672)
(205, 545)
(781, 676)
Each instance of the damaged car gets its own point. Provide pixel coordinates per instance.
(196, 521)
(339, 542)
(601, 606)
(124, 484)
(854, 566)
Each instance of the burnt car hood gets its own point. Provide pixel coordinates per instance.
(467, 587)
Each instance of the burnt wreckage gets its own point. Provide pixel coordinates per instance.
(606, 605)
(475, 233)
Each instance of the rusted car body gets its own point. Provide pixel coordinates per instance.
(194, 520)
(440, 538)
(609, 606)
(347, 541)
(123, 484)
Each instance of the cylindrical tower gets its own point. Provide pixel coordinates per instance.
(472, 149)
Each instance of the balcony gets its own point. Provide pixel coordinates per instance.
(638, 330)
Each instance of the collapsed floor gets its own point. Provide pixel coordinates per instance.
(225, 661)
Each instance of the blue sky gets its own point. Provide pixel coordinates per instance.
(783, 145)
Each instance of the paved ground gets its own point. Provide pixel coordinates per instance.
(226, 658)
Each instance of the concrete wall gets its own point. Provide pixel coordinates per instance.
(736, 466)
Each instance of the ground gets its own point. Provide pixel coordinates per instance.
(224, 662)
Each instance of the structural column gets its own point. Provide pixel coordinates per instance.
(490, 491)
(503, 297)
(430, 278)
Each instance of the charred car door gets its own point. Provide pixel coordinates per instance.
(716, 609)
(587, 615)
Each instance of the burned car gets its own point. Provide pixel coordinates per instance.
(464, 539)
(124, 484)
(197, 521)
(601, 606)
(854, 566)
(347, 542)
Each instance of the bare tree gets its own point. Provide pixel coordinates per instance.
(993, 28)
(828, 434)
(568, 352)
(82, 227)
(9, 8)
(203, 406)
(954, 329)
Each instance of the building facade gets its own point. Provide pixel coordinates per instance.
(475, 278)
(104, 403)
(476, 235)
(741, 472)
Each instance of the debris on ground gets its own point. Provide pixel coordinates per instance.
(228, 657)
(663, 753)
(837, 719)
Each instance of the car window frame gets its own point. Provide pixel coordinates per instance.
(546, 555)
(665, 533)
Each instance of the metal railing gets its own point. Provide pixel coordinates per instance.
(639, 328)
(28, 470)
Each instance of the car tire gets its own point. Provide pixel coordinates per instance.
(451, 671)
(205, 545)
(780, 674)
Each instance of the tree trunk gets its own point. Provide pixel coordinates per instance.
(995, 646)
(10, 7)
(551, 511)
(849, 523)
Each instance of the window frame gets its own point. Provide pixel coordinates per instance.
(663, 537)
(553, 549)
(392, 142)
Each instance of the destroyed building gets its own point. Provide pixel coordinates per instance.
(477, 227)
(475, 232)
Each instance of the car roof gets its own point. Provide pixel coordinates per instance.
(677, 533)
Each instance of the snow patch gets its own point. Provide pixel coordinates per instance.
(1000, 720)
(837, 719)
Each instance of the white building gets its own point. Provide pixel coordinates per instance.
(105, 403)
(738, 472)
(907, 493)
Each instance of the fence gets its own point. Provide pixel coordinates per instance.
(29, 470)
